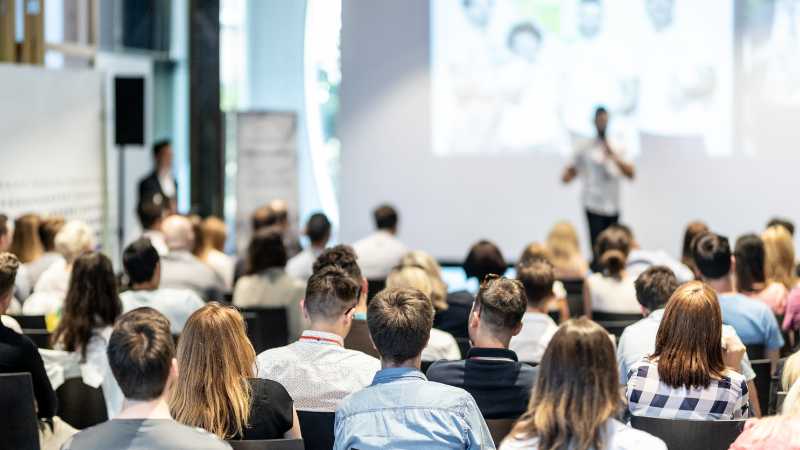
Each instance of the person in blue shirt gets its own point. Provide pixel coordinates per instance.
(753, 320)
(402, 409)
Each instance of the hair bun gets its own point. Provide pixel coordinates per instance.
(613, 261)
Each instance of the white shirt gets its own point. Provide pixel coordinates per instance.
(36, 268)
(54, 279)
(378, 254)
(301, 265)
(612, 295)
(10, 323)
(176, 304)
(640, 260)
(532, 340)
(157, 241)
(43, 303)
(224, 265)
(617, 436)
(441, 345)
(600, 175)
(167, 183)
(317, 371)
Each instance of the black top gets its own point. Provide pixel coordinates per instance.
(455, 320)
(271, 412)
(150, 185)
(19, 354)
(501, 385)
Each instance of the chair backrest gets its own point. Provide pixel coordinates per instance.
(499, 429)
(39, 337)
(266, 327)
(574, 290)
(463, 346)
(599, 316)
(268, 444)
(763, 381)
(755, 351)
(691, 434)
(779, 403)
(424, 366)
(317, 429)
(373, 287)
(19, 429)
(35, 328)
(32, 322)
(81, 405)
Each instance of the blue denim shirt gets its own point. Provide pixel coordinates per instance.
(402, 409)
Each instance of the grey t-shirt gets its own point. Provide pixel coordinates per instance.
(144, 434)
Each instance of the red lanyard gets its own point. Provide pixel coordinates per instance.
(320, 339)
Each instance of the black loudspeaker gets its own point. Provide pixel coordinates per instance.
(129, 111)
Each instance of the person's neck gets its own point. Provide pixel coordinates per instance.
(539, 308)
(722, 285)
(389, 231)
(336, 328)
(146, 286)
(145, 409)
(318, 246)
(413, 363)
(483, 339)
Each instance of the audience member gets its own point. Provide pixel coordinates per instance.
(690, 375)
(751, 279)
(790, 372)
(48, 229)
(27, 245)
(141, 354)
(491, 373)
(143, 268)
(317, 371)
(21, 286)
(160, 186)
(558, 302)
(611, 291)
(279, 217)
(402, 409)
(754, 322)
(782, 222)
(318, 231)
(693, 229)
(216, 389)
(267, 285)
(180, 269)
(484, 258)
(780, 269)
(151, 214)
(379, 252)
(90, 309)
(576, 399)
(639, 259)
(568, 262)
(537, 277)
(17, 352)
(212, 249)
(781, 432)
(441, 345)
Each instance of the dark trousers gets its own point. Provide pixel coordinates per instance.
(598, 223)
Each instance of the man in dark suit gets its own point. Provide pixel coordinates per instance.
(160, 186)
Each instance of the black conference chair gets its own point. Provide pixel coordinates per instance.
(32, 322)
(463, 346)
(599, 316)
(373, 287)
(20, 426)
(266, 327)
(39, 337)
(691, 434)
(779, 403)
(268, 444)
(35, 328)
(425, 366)
(755, 351)
(615, 327)
(574, 290)
(317, 429)
(499, 428)
(763, 382)
(81, 405)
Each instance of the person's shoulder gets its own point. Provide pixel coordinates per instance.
(193, 437)
(447, 396)
(627, 438)
(270, 388)
(518, 443)
(10, 337)
(444, 371)
(362, 360)
(275, 354)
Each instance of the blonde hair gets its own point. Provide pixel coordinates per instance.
(74, 239)
(779, 256)
(427, 263)
(26, 243)
(410, 277)
(563, 244)
(791, 371)
(216, 357)
(214, 233)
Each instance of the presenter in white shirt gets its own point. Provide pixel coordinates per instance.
(600, 163)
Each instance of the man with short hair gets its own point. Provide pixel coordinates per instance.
(318, 230)
(402, 409)
(753, 321)
(180, 269)
(317, 371)
(379, 252)
(160, 186)
(141, 354)
(17, 352)
(151, 215)
(537, 277)
(143, 268)
(491, 373)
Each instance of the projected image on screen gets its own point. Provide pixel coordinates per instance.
(524, 76)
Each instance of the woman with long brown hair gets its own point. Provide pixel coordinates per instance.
(690, 375)
(576, 398)
(217, 389)
(612, 290)
(751, 274)
(693, 229)
(26, 243)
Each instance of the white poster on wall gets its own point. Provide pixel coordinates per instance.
(266, 145)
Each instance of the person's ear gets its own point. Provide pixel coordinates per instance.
(372, 343)
(474, 318)
(303, 310)
(5, 300)
(733, 264)
(517, 329)
(364, 291)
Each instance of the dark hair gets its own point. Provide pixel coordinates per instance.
(266, 250)
(91, 302)
(655, 286)
(343, 257)
(3, 225)
(484, 258)
(600, 110)
(781, 222)
(260, 217)
(160, 145)
(400, 322)
(385, 217)
(693, 229)
(150, 211)
(140, 259)
(612, 249)
(501, 302)
(48, 229)
(689, 340)
(140, 353)
(522, 28)
(537, 277)
(750, 262)
(712, 255)
(330, 293)
(9, 265)
(318, 228)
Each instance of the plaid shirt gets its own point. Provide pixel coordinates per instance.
(722, 400)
